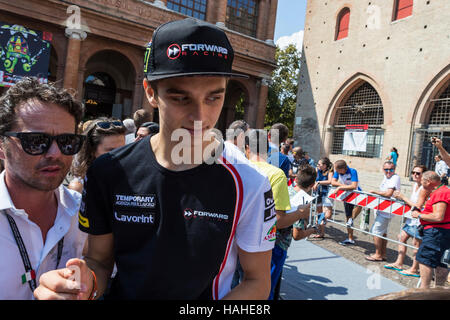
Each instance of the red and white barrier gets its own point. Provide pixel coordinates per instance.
(370, 201)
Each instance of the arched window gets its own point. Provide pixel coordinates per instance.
(362, 107)
(403, 9)
(441, 109)
(343, 23)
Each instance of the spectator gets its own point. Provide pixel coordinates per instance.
(321, 187)
(141, 116)
(305, 181)
(346, 178)
(443, 153)
(393, 156)
(299, 160)
(441, 169)
(39, 216)
(285, 149)
(278, 134)
(256, 149)
(102, 136)
(236, 133)
(290, 142)
(310, 160)
(435, 218)
(390, 183)
(130, 130)
(147, 128)
(417, 199)
(148, 212)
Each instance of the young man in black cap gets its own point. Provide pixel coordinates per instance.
(155, 208)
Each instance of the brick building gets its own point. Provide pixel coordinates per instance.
(101, 55)
(382, 63)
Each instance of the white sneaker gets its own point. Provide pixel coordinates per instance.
(347, 241)
(350, 222)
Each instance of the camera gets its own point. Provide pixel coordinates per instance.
(420, 229)
(433, 140)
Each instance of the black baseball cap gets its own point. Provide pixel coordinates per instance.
(189, 47)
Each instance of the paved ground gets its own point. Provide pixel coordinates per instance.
(354, 256)
(314, 273)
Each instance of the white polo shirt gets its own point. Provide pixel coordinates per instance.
(43, 256)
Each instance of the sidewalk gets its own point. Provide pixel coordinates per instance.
(313, 273)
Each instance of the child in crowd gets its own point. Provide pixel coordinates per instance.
(299, 196)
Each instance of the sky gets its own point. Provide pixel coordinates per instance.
(290, 23)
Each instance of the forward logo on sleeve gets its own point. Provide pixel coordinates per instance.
(136, 201)
(269, 206)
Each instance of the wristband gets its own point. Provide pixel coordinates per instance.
(93, 294)
(419, 216)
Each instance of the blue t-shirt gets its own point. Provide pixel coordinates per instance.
(279, 160)
(351, 175)
(394, 157)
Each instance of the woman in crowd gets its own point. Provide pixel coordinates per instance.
(393, 156)
(102, 136)
(324, 204)
(417, 199)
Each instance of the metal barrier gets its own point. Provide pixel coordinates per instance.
(368, 201)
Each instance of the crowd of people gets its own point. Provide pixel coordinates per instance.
(299, 172)
(134, 223)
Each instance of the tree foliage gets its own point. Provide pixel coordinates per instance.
(282, 96)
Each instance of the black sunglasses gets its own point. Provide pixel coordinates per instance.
(109, 124)
(37, 143)
(416, 173)
(389, 170)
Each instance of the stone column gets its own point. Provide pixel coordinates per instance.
(328, 140)
(73, 57)
(261, 27)
(270, 28)
(138, 93)
(220, 7)
(262, 103)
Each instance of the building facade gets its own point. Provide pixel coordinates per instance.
(384, 64)
(98, 47)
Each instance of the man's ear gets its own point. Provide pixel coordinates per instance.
(150, 93)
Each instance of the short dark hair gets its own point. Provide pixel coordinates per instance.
(239, 124)
(421, 166)
(340, 164)
(152, 127)
(257, 142)
(30, 88)
(306, 176)
(141, 116)
(280, 130)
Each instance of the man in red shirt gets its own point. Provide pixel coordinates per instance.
(435, 218)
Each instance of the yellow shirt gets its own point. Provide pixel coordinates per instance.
(278, 182)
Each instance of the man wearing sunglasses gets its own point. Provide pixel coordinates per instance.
(38, 216)
(172, 220)
(390, 183)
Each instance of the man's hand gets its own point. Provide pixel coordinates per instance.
(398, 195)
(75, 282)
